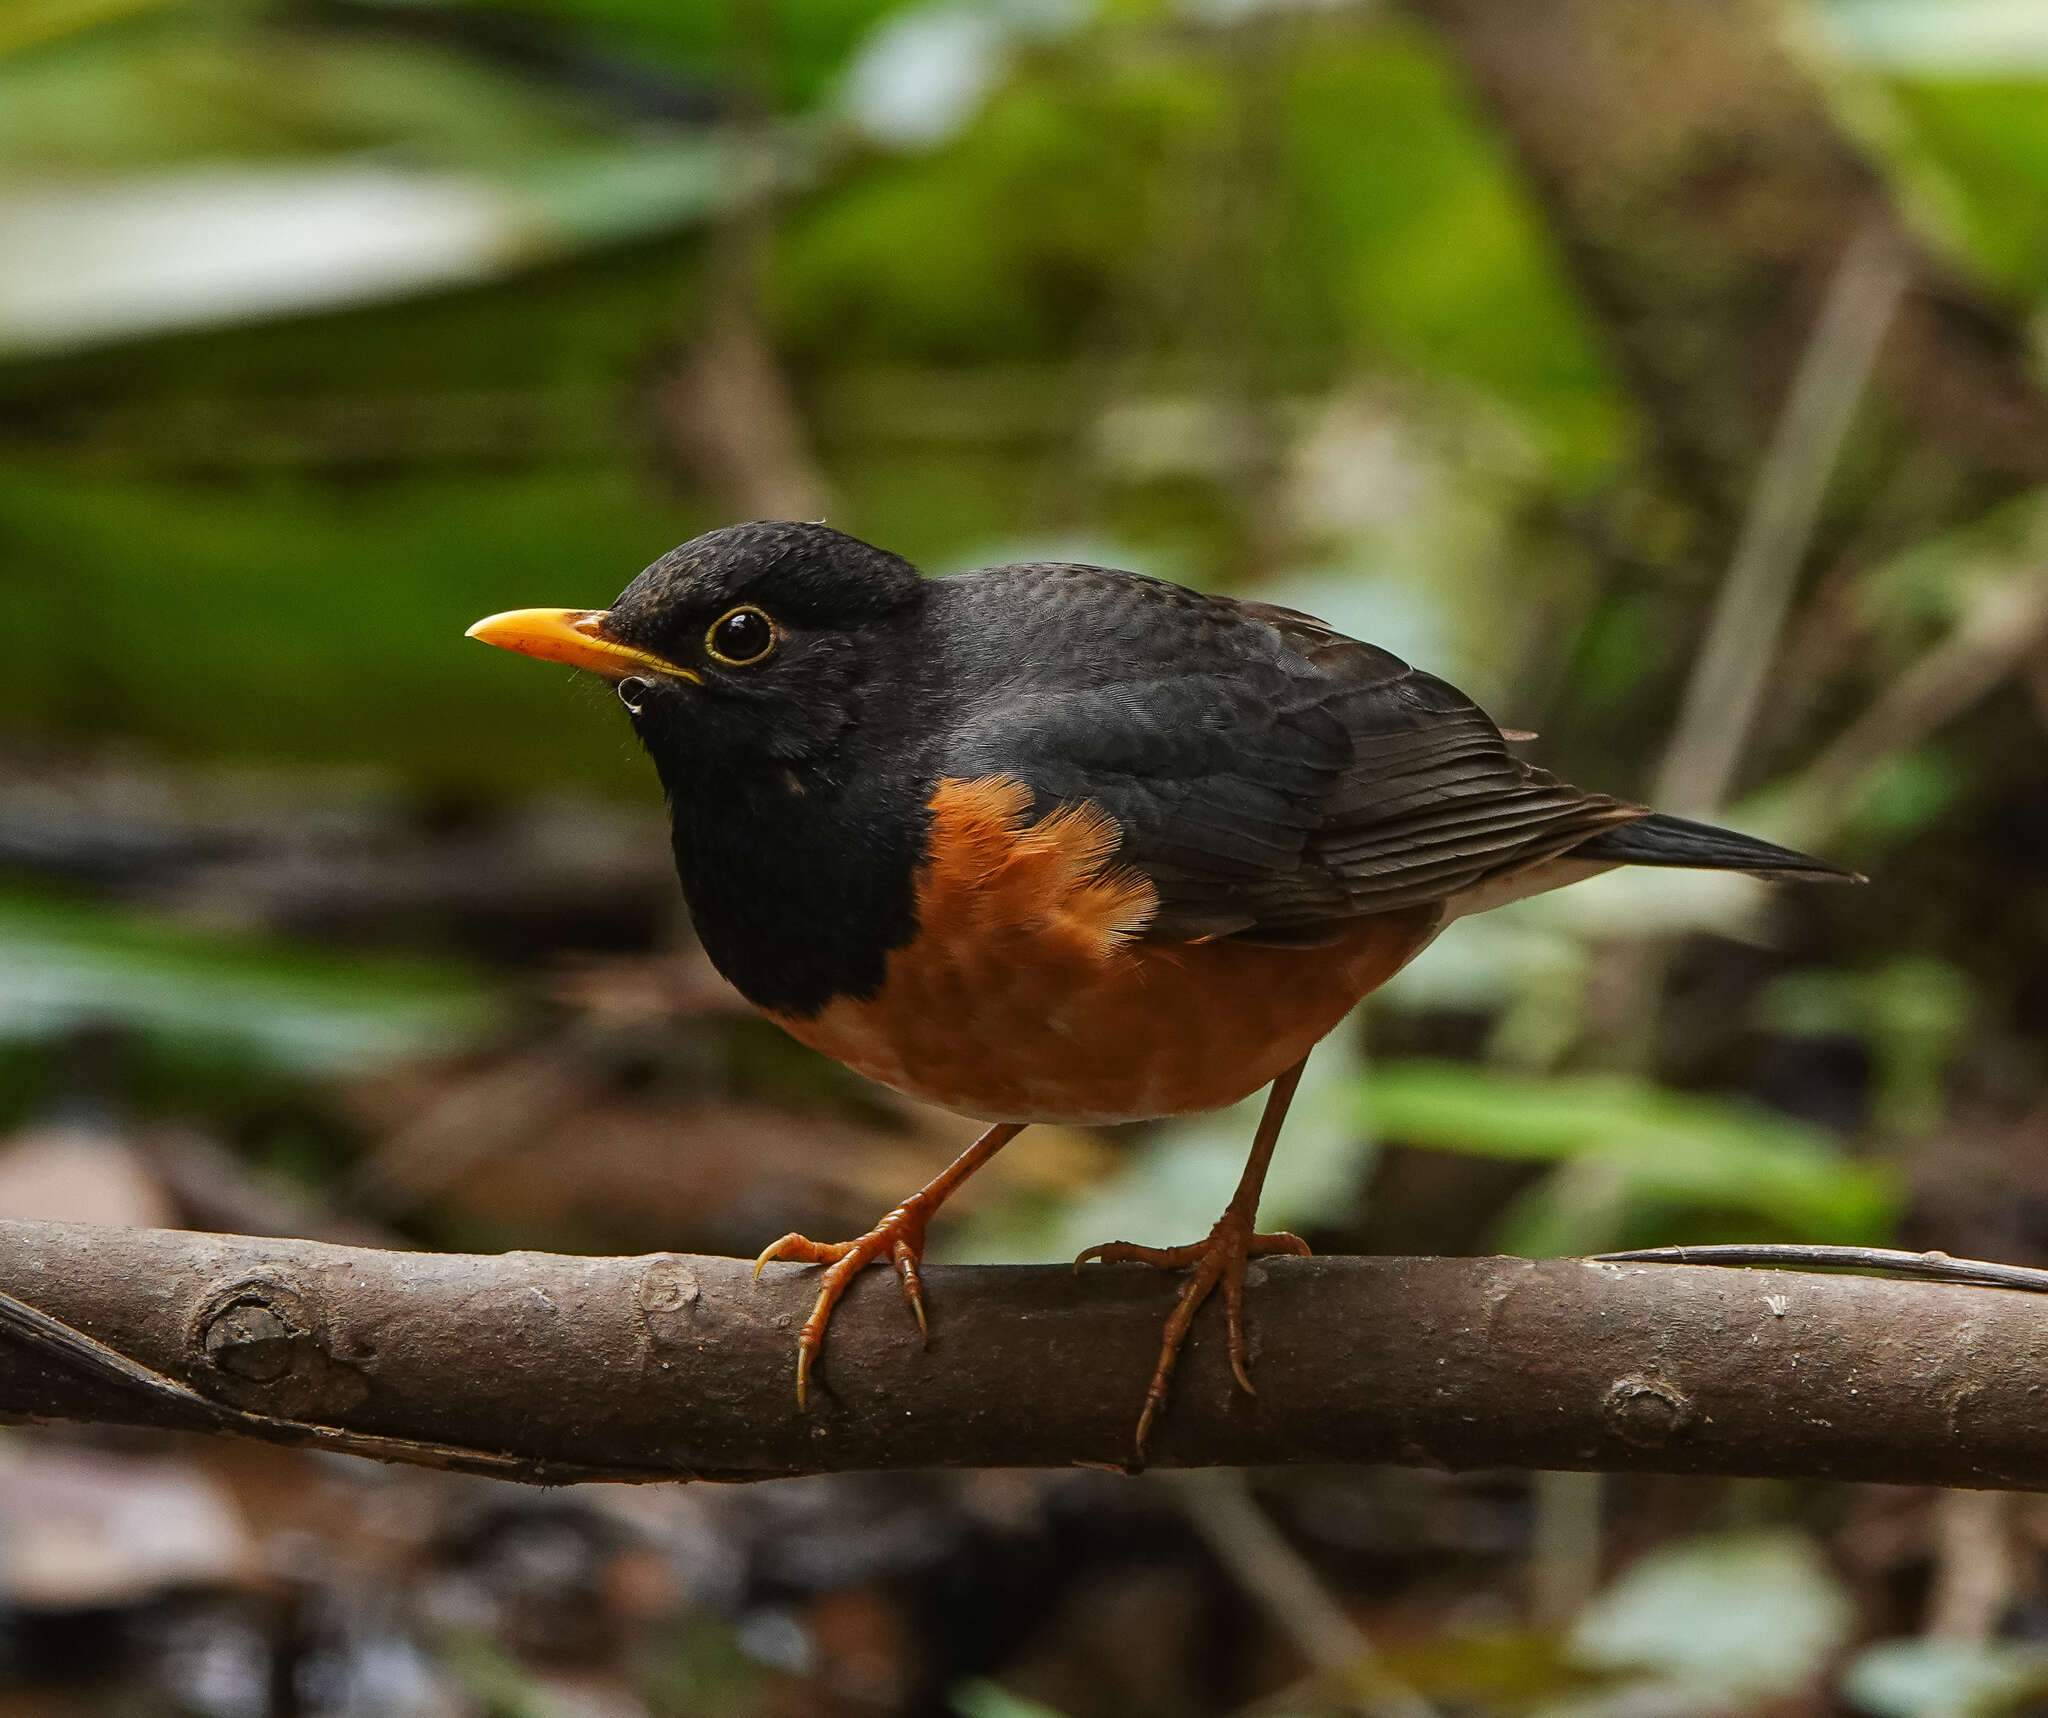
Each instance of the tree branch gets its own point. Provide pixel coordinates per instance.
(546, 1368)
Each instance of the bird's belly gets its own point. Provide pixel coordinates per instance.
(1009, 1023)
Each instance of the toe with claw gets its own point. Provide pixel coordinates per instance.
(1221, 1258)
(898, 1238)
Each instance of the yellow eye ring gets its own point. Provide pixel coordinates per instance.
(741, 637)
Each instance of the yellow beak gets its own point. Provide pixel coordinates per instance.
(575, 636)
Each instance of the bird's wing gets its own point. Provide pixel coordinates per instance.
(1268, 774)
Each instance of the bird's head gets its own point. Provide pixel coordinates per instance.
(746, 646)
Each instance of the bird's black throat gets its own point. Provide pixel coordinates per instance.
(800, 878)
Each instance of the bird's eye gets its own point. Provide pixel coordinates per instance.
(632, 691)
(739, 637)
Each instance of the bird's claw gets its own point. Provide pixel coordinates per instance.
(898, 1237)
(1220, 1258)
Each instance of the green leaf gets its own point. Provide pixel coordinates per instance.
(1731, 1615)
(288, 620)
(1946, 1679)
(1912, 1013)
(63, 963)
(981, 1698)
(1656, 1145)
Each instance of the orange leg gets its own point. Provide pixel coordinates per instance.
(1220, 1258)
(898, 1237)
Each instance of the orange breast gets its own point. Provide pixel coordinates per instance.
(1027, 994)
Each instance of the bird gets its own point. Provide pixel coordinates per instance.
(1049, 842)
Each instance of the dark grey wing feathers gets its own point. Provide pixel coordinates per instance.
(1270, 775)
(1662, 840)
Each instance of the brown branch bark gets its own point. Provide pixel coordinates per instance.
(549, 1369)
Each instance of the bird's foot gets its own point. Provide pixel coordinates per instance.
(898, 1238)
(1221, 1258)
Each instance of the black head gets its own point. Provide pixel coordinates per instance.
(777, 677)
(745, 647)
(775, 627)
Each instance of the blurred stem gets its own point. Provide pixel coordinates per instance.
(1259, 195)
(2034, 677)
(476, 1118)
(1211, 276)
(1564, 1558)
(2004, 628)
(1973, 1565)
(1721, 704)
(1727, 685)
(1221, 1508)
(499, 1684)
(1728, 679)
(727, 410)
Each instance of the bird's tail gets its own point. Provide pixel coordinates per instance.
(1660, 840)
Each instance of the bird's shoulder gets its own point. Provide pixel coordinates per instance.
(1134, 675)
(1190, 718)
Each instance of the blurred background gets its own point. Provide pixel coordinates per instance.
(1662, 371)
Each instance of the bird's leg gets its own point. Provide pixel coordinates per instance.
(898, 1237)
(1220, 1258)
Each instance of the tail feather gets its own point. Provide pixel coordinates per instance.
(1660, 840)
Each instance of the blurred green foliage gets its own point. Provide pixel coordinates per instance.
(1930, 1678)
(1643, 1148)
(298, 620)
(1239, 294)
(1161, 268)
(244, 464)
(1737, 1617)
(69, 965)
